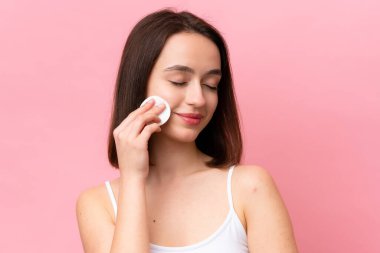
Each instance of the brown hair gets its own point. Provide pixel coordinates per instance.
(221, 138)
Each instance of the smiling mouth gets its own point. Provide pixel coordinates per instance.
(190, 119)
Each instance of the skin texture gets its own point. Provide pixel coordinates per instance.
(195, 95)
(161, 204)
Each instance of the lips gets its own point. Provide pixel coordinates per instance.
(191, 115)
(191, 118)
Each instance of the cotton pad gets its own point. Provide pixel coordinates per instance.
(165, 114)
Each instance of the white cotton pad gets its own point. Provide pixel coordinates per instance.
(164, 116)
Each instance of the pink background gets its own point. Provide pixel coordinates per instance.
(307, 81)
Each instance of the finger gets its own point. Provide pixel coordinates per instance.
(158, 109)
(155, 110)
(131, 132)
(134, 114)
(148, 131)
(141, 121)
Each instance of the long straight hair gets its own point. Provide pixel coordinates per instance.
(221, 138)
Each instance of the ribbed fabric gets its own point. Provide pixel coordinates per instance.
(229, 237)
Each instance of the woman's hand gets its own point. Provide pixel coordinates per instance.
(131, 139)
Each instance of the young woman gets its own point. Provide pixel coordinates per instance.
(181, 187)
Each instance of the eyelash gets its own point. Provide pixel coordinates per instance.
(180, 84)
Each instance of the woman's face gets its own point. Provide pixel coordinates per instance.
(186, 74)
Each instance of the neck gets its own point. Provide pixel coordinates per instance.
(173, 160)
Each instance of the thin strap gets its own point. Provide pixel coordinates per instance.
(112, 197)
(229, 191)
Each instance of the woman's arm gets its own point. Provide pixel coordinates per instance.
(130, 233)
(135, 236)
(269, 226)
(95, 223)
(97, 230)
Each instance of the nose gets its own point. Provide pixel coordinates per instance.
(194, 94)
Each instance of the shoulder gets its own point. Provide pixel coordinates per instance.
(253, 176)
(256, 185)
(94, 219)
(90, 195)
(268, 222)
(92, 200)
(252, 180)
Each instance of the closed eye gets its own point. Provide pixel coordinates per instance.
(176, 83)
(183, 83)
(212, 87)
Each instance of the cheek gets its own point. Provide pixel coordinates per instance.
(213, 102)
(211, 107)
(162, 89)
(158, 88)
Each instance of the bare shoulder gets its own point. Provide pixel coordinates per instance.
(251, 177)
(92, 197)
(269, 227)
(253, 180)
(94, 219)
(96, 199)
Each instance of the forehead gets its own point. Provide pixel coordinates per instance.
(189, 49)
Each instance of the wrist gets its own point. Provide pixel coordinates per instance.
(132, 178)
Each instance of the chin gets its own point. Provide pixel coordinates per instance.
(181, 135)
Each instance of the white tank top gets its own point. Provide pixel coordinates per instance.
(229, 237)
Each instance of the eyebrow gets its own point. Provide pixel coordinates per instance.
(183, 68)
